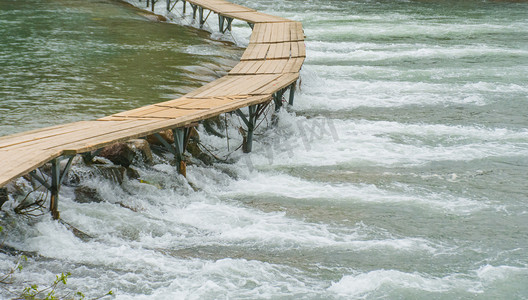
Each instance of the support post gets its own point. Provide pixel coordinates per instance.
(293, 87)
(153, 2)
(180, 143)
(277, 98)
(250, 124)
(181, 139)
(55, 187)
(89, 156)
(221, 20)
(194, 8)
(170, 5)
(229, 22)
(184, 6)
(201, 16)
(57, 178)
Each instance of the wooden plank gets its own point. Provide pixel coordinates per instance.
(267, 35)
(230, 8)
(29, 161)
(279, 83)
(221, 91)
(251, 83)
(235, 83)
(286, 36)
(294, 33)
(300, 31)
(274, 32)
(38, 134)
(213, 88)
(170, 113)
(260, 81)
(97, 128)
(238, 68)
(263, 51)
(294, 65)
(294, 49)
(280, 64)
(139, 111)
(255, 67)
(250, 52)
(258, 29)
(266, 68)
(253, 52)
(286, 50)
(256, 17)
(262, 30)
(179, 101)
(302, 49)
(272, 51)
(207, 103)
(207, 86)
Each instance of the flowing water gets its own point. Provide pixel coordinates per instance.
(399, 173)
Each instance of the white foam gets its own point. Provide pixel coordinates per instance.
(340, 193)
(380, 282)
(305, 142)
(361, 285)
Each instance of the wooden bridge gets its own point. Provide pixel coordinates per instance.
(268, 68)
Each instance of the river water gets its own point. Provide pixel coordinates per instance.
(399, 173)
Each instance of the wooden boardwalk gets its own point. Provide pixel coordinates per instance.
(269, 66)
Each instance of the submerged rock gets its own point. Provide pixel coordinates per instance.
(84, 194)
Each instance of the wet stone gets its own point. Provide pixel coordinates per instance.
(119, 153)
(3, 196)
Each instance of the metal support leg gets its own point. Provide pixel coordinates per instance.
(148, 3)
(179, 141)
(277, 98)
(89, 156)
(181, 138)
(57, 178)
(55, 187)
(293, 87)
(248, 142)
(221, 20)
(229, 22)
(171, 7)
(184, 6)
(194, 8)
(201, 16)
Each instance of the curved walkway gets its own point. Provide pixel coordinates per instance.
(270, 64)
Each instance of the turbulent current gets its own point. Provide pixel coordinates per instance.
(400, 172)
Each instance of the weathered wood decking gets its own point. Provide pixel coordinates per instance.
(270, 64)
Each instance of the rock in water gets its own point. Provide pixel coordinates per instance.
(3, 196)
(143, 147)
(119, 153)
(167, 135)
(84, 194)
